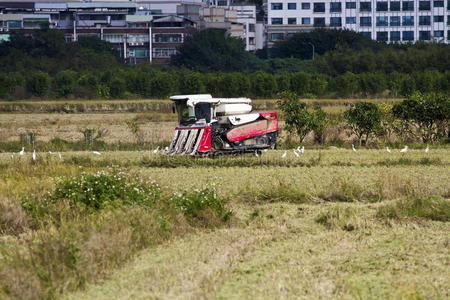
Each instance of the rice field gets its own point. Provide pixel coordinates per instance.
(328, 224)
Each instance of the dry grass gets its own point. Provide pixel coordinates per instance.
(291, 235)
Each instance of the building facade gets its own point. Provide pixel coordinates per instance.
(383, 20)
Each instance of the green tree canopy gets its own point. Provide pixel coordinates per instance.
(213, 50)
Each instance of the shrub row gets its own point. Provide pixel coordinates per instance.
(144, 82)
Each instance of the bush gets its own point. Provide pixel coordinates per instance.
(431, 207)
(197, 203)
(364, 120)
(102, 190)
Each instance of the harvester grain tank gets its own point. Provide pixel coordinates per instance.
(216, 126)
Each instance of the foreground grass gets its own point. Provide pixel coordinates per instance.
(329, 224)
(283, 252)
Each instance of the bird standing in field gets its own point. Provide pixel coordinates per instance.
(156, 150)
(96, 153)
(427, 149)
(59, 155)
(22, 152)
(284, 154)
(33, 156)
(256, 154)
(295, 153)
(388, 150)
(404, 150)
(353, 148)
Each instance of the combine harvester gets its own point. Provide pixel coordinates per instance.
(211, 127)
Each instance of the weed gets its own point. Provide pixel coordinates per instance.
(340, 217)
(430, 207)
(199, 203)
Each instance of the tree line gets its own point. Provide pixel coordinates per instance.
(146, 82)
(423, 117)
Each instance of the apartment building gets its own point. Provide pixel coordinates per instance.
(383, 20)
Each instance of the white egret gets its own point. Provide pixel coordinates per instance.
(50, 152)
(404, 150)
(22, 152)
(284, 154)
(33, 156)
(59, 155)
(388, 150)
(295, 153)
(156, 150)
(353, 148)
(96, 153)
(256, 153)
(427, 149)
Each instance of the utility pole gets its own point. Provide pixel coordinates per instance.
(313, 50)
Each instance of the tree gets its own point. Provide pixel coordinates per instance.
(324, 40)
(38, 83)
(364, 120)
(213, 50)
(298, 120)
(427, 115)
(65, 82)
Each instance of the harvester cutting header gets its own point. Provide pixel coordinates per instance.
(215, 126)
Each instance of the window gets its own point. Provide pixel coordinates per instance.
(395, 36)
(382, 36)
(365, 21)
(277, 6)
(448, 34)
(292, 21)
(292, 6)
(424, 20)
(335, 7)
(319, 22)
(408, 35)
(424, 5)
(382, 6)
(438, 33)
(168, 38)
(289, 35)
(306, 5)
(367, 34)
(438, 3)
(277, 21)
(395, 5)
(251, 40)
(408, 5)
(222, 3)
(251, 27)
(407, 21)
(365, 6)
(350, 5)
(113, 38)
(306, 21)
(14, 24)
(139, 53)
(276, 36)
(164, 52)
(335, 22)
(319, 7)
(448, 20)
(424, 35)
(382, 21)
(438, 19)
(350, 20)
(395, 21)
